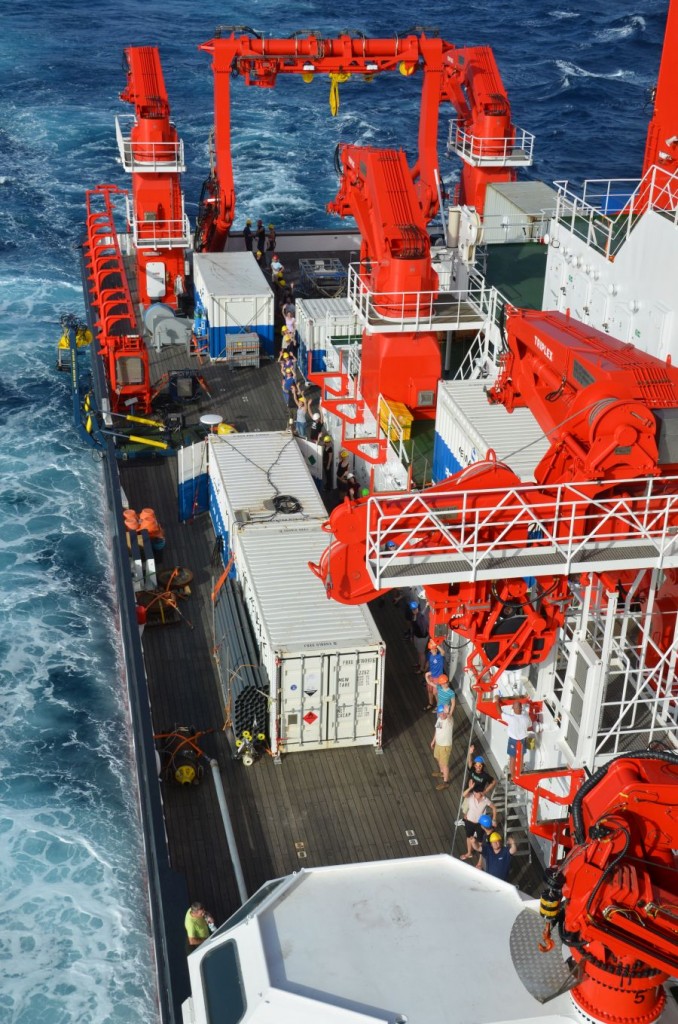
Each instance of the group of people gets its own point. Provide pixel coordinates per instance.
(264, 249)
(483, 839)
(484, 842)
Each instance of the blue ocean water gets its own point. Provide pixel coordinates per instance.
(74, 933)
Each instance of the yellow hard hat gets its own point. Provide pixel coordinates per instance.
(494, 837)
(343, 454)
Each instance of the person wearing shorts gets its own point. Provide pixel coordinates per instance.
(518, 722)
(441, 745)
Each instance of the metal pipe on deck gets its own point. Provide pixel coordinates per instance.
(228, 829)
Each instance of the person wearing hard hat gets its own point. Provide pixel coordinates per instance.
(248, 235)
(300, 421)
(445, 694)
(270, 241)
(342, 472)
(478, 778)
(436, 670)
(480, 814)
(317, 428)
(495, 857)
(289, 387)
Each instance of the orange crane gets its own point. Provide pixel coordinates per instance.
(468, 78)
(606, 928)
(471, 539)
(154, 156)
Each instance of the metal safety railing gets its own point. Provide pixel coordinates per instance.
(417, 311)
(152, 157)
(606, 211)
(498, 151)
(165, 233)
(496, 533)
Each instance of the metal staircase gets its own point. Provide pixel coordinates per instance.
(511, 802)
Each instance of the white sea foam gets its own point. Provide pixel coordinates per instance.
(569, 71)
(634, 26)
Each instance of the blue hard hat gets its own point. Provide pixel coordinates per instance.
(441, 709)
(414, 604)
(477, 759)
(485, 820)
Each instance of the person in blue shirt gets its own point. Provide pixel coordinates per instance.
(445, 695)
(435, 672)
(495, 857)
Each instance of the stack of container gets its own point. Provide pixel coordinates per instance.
(467, 426)
(324, 661)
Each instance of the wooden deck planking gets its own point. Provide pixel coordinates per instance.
(344, 805)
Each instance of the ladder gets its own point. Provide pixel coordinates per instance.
(511, 802)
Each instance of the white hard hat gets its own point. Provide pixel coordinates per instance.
(316, 416)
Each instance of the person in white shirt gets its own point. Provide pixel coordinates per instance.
(518, 722)
(277, 269)
(441, 744)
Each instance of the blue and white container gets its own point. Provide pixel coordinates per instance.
(323, 324)
(236, 298)
(248, 474)
(467, 426)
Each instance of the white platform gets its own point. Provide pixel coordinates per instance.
(423, 940)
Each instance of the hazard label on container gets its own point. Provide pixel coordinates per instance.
(310, 718)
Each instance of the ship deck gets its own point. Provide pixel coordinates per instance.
(313, 808)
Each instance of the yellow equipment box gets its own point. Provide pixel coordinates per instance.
(402, 416)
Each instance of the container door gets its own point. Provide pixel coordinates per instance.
(303, 706)
(312, 456)
(192, 489)
(354, 686)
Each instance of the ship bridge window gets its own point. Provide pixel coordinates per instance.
(667, 435)
(222, 985)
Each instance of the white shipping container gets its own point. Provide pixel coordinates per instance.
(325, 660)
(467, 425)
(517, 211)
(323, 323)
(247, 472)
(236, 297)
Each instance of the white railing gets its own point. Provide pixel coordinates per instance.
(606, 211)
(159, 234)
(503, 533)
(505, 229)
(392, 429)
(497, 151)
(419, 310)
(152, 157)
